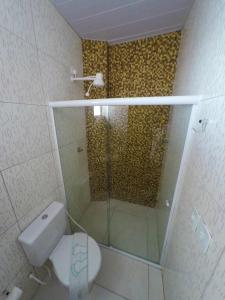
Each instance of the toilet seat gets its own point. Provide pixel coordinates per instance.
(60, 258)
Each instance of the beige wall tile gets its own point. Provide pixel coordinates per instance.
(54, 36)
(12, 256)
(201, 60)
(57, 86)
(29, 78)
(15, 16)
(30, 183)
(7, 216)
(56, 195)
(20, 73)
(24, 133)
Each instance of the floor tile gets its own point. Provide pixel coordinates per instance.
(129, 233)
(132, 227)
(99, 293)
(123, 275)
(94, 220)
(54, 290)
(155, 284)
(152, 241)
(131, 208)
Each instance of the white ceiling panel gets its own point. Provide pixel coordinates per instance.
(152, 24)
(116, 18)
(120, 20)
(82, 9)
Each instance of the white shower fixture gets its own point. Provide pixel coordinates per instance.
(97, 80)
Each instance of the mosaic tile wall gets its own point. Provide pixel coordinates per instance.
(137, 135)
(95, 59)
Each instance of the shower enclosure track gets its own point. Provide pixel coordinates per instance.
(164, 100)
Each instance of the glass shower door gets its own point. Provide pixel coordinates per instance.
(82, 142)
(120, 166)
(137, 146)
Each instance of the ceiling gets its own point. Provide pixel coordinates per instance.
(117, 21)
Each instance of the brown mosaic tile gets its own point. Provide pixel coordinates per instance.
(136, 137)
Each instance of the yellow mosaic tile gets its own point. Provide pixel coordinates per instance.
(136, 138)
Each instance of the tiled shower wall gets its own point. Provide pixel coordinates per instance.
(189, 273)
(136, 135)
(37, 49)
(95, 59)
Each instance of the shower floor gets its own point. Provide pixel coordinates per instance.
(132, 227)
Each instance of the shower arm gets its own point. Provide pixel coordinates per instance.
(88, 78)
(74, 77)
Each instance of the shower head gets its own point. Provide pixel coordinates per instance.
(97, 80)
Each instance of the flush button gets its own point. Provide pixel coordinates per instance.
(45, 216)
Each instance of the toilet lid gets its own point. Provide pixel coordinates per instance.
(60, 258)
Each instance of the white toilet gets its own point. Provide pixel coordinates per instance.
(44, 238)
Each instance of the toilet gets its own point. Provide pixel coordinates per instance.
(45, 239)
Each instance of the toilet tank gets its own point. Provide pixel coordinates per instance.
(41, 237)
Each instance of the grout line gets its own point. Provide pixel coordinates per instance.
(162, 275)
(26, 161)
(17, 36)
(119, 209)
(38, 58)
(111, 291)
(28, 212)
(131, 256)
(212, 274)
(24, 103)
(17, 224)
(15, 276)
(35, 45)
(146, 223)
(10, 226)
(10, 200)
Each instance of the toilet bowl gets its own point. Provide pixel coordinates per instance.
(45, 239)
(60, 258)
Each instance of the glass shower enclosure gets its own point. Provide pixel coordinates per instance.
(120, 164)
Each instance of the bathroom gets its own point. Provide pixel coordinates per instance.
(112, 135)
